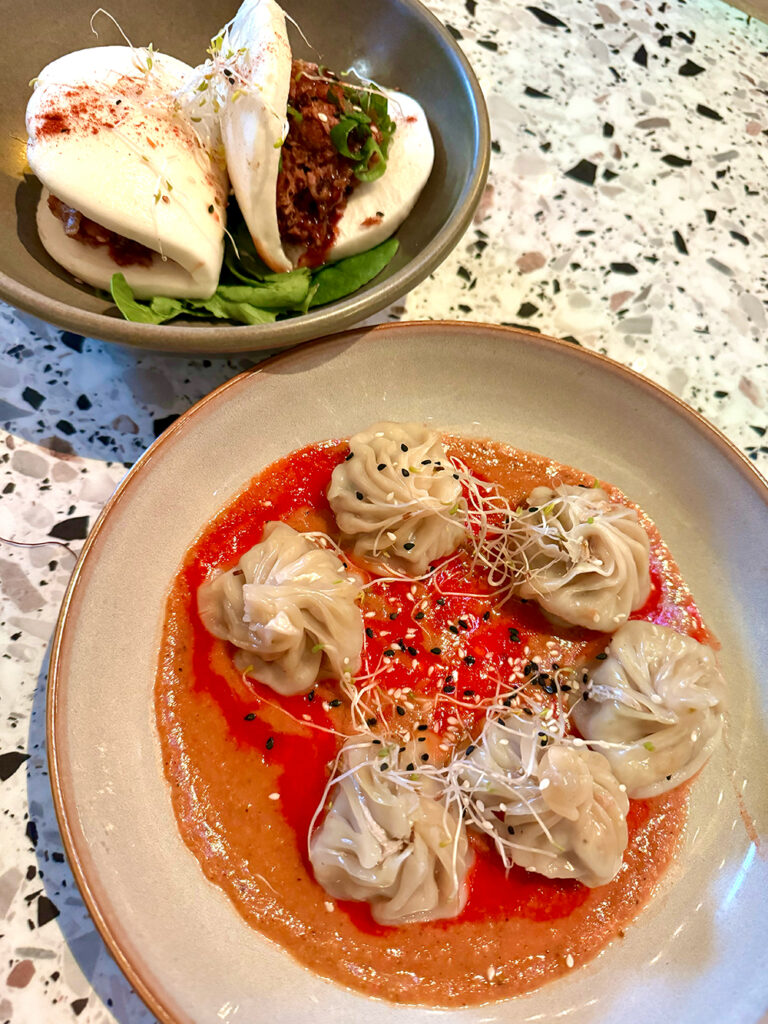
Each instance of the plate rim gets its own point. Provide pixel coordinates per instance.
(239, 339)
(365, 335)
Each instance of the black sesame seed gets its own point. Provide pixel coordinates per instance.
(389, 653)
(270, 743)
(469, 749)
(510, 830)
(410, 767)
(401, 645)
(370, 722)
(514, 636)
(400, 710)
(348, 456)
(543, 743)
(507, 702)
(401, 750)
(486, 616)
(250, 716)
(463, 623)
(669, 777)
(369, 632)
(419, 616)
(455, 476)
(383, 766)
(334, 703)
(533, 508)
(565, 688)
(527, 711)
(210, 208)
(403, 447)
(602, 656)
(453, 629)
(469, 693)
(555, 666)
(311, 696)
(441, 601)
(584, 678)
(381, 465)
(426, 462)
(586, 695)
(449, 688)
(359, 495)
(393, 615)
(405, 472)
(376, 743)
(425, 757)
(409, 546)
(469, 660)
(435, 650)
(422, 739)
(412, 651)
(422, 728)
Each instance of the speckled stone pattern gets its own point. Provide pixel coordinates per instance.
(625, 211)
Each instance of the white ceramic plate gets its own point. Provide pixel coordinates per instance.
(697, 952)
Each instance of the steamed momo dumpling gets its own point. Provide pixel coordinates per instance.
(586, 559)
(557, 810)
(396, 497)
(659, 697)
(291, 606)
(387, 840)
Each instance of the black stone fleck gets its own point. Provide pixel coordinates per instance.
(547, 19)
(584, 171)
(10, 763)
(689, 69)
(680, 243)
(46, 911)
(671, 160)
(71, 529)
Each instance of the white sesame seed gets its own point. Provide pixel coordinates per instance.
(569, 961)
(307, 718)
(274, 796)
(544, 784)
(490, 973)
(370, 615)
(328, 906)
(413, 589)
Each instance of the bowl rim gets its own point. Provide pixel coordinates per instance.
(231, 339)
(66, 811)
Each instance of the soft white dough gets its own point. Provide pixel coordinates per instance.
(253, 126)
(390, 842)
(655, 707)
(135, 166)
(407, 513)
(566, 810)
(394, 194)
(96, 266)
(289, 606)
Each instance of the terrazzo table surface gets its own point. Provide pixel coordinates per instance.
(626, 210)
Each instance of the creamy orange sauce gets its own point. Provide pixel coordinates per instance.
(248, 767)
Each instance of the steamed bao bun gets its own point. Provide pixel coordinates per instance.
(254, 127)
(106, 137)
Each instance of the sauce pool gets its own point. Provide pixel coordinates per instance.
(248, 767)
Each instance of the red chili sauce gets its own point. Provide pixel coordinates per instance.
(248, 767)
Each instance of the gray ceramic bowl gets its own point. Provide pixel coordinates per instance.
(397, 42)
